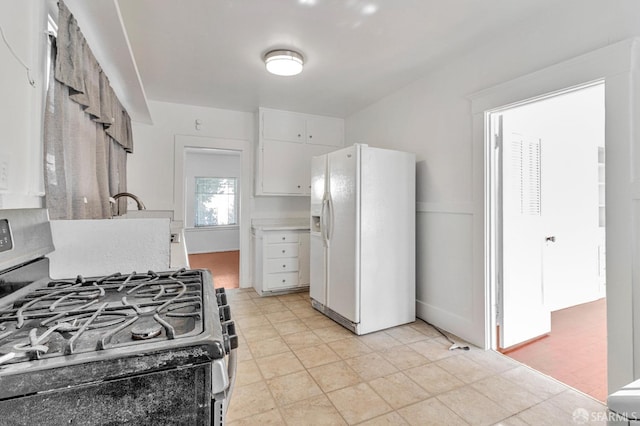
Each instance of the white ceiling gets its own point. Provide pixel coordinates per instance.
(209, 52)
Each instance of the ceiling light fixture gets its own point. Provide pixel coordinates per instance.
(283, 62)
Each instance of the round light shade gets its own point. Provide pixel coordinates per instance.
(283, 62)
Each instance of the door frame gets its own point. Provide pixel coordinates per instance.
(616, 65)
(246, 178)
(494, 194)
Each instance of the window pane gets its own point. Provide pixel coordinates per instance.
(215, 201)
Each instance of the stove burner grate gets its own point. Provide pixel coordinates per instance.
(70, 316)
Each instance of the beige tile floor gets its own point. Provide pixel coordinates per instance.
(297, 367)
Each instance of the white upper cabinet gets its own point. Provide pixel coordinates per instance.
(325, 131)
(286, 143)
(283, 167)
(283, 126)
(302, 128)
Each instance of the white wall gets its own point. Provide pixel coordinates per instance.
(571, 128)
(150, 167)
(24, 25)
(433, 118)
(209, 163)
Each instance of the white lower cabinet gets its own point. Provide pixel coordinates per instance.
(281, 260)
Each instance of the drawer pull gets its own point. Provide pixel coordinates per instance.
(284, 266)
(284, 251)
(284, 238)
(284, 281)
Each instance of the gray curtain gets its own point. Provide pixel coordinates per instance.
(87, 132)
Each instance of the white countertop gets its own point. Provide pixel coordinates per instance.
(104, 246)
(290, 224)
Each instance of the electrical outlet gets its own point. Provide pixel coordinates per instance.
(175, 238)
(4, 175)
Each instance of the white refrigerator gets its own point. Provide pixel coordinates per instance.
(363, 237)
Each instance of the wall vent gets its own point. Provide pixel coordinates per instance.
(525, 157)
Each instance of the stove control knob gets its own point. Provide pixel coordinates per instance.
(222, 298)
(230, 338)
(225, 313)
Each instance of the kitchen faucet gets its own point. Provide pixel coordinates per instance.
(140, 204)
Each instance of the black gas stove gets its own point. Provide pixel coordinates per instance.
(127, 348)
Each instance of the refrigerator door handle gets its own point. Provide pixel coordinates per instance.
(323, 222)
(331, 219)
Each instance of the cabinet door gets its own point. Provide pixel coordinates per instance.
(282, 172)
(283, 126)
(325, 131)
(305, 171)
(303, 259)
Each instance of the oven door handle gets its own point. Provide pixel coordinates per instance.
(232, 365)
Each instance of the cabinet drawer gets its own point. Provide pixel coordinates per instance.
(281, 265)
(282, 237)
(282, 250)
(287, 279)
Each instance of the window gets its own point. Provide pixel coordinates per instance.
(216, 201)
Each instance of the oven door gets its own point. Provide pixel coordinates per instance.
(223, 375)
(169, 397)
(222, 383)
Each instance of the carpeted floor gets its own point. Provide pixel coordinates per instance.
(224, 267)
(575, 352)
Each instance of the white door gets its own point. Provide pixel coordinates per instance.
(523, 314)
(342, 291)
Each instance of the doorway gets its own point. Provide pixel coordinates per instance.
(212, 181)
(548, 245)
(211, 239)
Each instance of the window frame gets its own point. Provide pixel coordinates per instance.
(236, 200)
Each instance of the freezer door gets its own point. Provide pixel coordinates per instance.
(318, 185)
(317, 247)
(343, 292)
